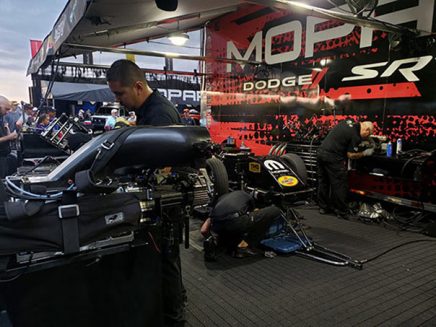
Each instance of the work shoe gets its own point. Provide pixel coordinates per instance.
(244, 253)
(344, 216)
(210, 249)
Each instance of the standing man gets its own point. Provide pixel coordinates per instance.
(5, 136)
(126, 80)
(340, 144)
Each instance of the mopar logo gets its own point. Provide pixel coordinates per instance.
(273, 165)
(308, 36)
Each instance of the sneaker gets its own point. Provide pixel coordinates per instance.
(323, 211)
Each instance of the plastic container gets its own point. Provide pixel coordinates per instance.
(389, 149)
(399, 146)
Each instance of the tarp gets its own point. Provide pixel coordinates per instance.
(82, 92)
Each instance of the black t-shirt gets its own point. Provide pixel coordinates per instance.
(343, 138)
(5, 147)
(232, 205)
(157, 111)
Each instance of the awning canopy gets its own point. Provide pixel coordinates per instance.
(112, 23)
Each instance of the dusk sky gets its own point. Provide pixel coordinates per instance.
(23, 20)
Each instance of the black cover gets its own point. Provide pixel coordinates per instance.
(43, 232)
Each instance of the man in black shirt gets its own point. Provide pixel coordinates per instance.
(234, 220)
(126, 80)
(340, 144)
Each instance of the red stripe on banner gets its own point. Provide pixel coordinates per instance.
(316, 78)
(34, 46)
(376, 91)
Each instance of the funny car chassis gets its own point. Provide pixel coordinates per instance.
(311, 250)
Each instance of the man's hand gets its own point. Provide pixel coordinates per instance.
(368, 152)
(12, 136)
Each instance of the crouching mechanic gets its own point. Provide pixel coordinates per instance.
(238, 226)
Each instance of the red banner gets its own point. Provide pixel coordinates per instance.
(34, 46)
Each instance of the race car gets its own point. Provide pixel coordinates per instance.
(279, 178)
(104, 197)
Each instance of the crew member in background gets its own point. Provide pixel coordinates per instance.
(5, 136)
(126, 80)
(12, 118)
(51, 112)
(81, 115)
(186, 118)
(340, 144)
(132, 118)
(111, 121)
(88, 114)
(27, 118)
(42, 123)
(13, 121)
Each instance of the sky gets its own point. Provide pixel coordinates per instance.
(24, 20)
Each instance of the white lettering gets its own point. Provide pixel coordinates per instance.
(164, 92)
(421, 62)
(260, 85)
(190, 94)
(291, 27)
(273, 83)
(422, 13)
(313, 37)
(289, 81)
(174, 94)
(363, 72)
(248, 86)
(255, 45)
(304, 79)
(184, 95)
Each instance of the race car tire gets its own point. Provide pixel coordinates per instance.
(218, 174)
(296, 164)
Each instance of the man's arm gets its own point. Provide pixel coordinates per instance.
(205, 228)
(358, 155)
(9, 137)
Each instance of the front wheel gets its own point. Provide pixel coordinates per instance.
(297, 165)
(218, 174)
